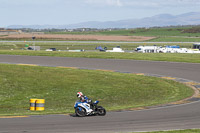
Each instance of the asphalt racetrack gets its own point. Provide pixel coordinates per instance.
(184, 116)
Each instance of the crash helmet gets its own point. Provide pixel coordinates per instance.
(79, 94)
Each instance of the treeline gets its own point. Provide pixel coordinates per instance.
(192, 30)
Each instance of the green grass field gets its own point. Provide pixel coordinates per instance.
(58, 86)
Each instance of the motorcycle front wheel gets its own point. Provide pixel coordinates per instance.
(80, 112)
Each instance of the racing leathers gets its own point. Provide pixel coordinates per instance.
(86, 100)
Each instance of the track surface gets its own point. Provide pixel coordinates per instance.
(165, 118)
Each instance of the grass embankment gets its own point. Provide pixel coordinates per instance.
(178, 131)
(58, 86)
(172, 57)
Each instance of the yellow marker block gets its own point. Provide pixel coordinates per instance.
(32, 104)
(170, 78)
(39, 105)
(27, 64)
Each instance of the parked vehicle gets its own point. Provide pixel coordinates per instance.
(196, 46)
(147, 49)
(116, 49)
(51, 49)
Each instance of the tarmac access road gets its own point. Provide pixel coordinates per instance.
(184, 116)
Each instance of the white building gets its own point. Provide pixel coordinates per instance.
(167, 49)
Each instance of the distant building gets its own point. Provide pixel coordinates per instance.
(4, 31)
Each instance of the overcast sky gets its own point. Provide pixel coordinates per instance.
(59, 12)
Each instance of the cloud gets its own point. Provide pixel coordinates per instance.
(144, 3)
(117, 3)
(161, 3)
(180, 2)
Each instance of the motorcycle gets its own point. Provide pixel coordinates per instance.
(84, 109)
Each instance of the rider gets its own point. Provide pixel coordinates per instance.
(84, 98)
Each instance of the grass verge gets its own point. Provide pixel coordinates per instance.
(172, 57)
(58, 86)
(178, 131)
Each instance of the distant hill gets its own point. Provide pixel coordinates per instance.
(192, 18)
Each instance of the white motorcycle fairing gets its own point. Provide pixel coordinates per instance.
(84, 105)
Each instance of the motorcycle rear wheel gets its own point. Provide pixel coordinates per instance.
(101, 111)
